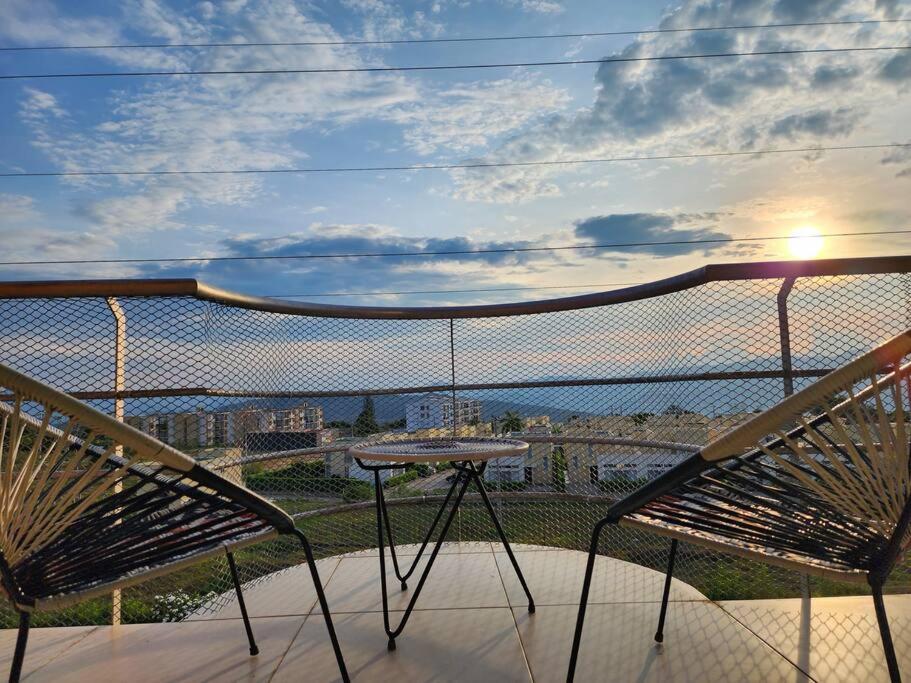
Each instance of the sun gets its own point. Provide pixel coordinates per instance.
(805, 242)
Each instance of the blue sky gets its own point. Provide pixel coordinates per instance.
(526, 114)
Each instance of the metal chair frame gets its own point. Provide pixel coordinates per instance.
(95, 505)
(830, 496)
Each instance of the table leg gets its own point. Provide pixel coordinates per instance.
(403, 578)
(464, 478)
(477, 475)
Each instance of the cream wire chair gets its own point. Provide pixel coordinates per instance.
(819, 483)
(89, 505)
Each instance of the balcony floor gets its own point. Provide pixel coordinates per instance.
(471, 624)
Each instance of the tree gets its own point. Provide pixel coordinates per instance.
(559, 463)
(511, 422)
(366, 424)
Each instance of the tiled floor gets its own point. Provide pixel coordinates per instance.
(471, 624)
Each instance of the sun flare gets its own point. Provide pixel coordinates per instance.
(805, 242)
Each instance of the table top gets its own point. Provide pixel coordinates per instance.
(439, 449)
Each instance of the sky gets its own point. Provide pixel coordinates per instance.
(516, 114)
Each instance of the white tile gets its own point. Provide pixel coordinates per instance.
(455, 580)
(555, 578)
(43, 645)
(172, 653)
(289, 592)
(833, 639)
(448, 548)
(701, 644)
(471, 645)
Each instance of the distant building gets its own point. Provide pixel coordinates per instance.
(203, 429)
(532, 468)
(430, 411)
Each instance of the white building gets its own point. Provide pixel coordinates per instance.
(632, 465)
(430, 411)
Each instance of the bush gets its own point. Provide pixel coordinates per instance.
(175, 606)
(356, 490)
(287, 478)
(404, 477)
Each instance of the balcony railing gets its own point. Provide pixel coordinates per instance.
(610, 389)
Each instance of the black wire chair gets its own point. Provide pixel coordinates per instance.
(819, 483)
(89, 505)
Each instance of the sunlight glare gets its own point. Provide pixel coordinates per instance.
(805, 242)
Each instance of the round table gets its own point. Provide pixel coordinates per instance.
(464, 453)
(407, 451)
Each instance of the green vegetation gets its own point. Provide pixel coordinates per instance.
(511, 421)
(366, 424)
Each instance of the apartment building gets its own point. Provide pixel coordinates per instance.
(438, 410)
(203, 429)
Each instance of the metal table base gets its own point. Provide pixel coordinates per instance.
(467, 472)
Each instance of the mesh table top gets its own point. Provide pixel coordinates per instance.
(435, 450)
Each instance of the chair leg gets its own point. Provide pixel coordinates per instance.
(885, 633)
(19, 654)
(243, 607)
(324, 605)
(659, 634)
(583, 600)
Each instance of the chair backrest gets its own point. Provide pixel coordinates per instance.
(842, 442)
(62, 462)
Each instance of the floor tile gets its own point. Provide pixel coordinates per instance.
(289, 592)
(153, 653)
(471, 645)
(833, 639)
(448, 548)
(701, 644)
(555, 578)
(44, 645)
(455, 580)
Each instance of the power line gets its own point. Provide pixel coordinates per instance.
(475, 39)
(450, 67)
(452, 252)
(430, 167)
(448, 291)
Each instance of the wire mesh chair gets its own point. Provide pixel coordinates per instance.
(819, 483)
(89, 505)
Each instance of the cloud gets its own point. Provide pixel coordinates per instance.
(829, 76)
(209, 123)
(877, 219)
(684, 106)
(464, 116)
(898, 68)
(649, 227)
(369, 239)
(36, 22)
(900, 155)
(540, 6)
(820, 123)
(16, 209)
(251, 122)
(359, 274)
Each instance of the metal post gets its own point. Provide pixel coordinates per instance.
(120, 341)
(784, 333)
(454, 418)
(787, 369)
